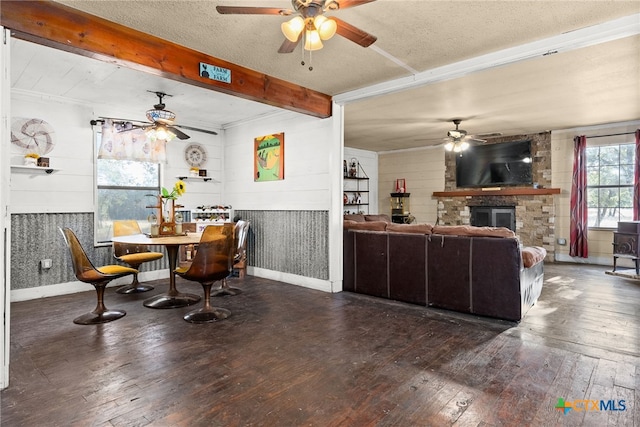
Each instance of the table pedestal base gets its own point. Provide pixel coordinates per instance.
(171, 301)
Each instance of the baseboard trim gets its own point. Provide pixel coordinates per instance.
(591, 260)
(293, 279)
(77, 286)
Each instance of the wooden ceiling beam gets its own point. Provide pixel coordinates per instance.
(61, 27)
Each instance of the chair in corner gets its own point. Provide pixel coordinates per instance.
(98, 277)
(239, 260)
(134, 255)
(213, 262)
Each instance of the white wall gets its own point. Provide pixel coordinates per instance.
(312, 179)
(71, 189)
(308, 143)
(423, 169)
(600, 249)
(5, 224)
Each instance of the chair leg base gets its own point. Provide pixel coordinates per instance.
(131, 289)
(207, 315)
(220, 292)
(95, 318)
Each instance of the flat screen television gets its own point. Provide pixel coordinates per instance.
(493, 165)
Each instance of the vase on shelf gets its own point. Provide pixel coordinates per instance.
(30, 161)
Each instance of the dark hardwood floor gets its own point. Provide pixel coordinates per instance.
(290, 356)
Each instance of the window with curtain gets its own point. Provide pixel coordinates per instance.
(610, 183)
(123, 190)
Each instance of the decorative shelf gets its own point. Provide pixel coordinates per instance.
(527, 191)
(33, 169)
(195, 178)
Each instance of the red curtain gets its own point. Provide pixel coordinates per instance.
(578, 228)
(636, 180)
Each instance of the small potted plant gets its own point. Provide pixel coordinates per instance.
(31, 159)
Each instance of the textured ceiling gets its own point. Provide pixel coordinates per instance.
(591, 85)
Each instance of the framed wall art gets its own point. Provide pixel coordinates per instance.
(268, 164)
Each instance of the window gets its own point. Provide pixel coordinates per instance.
(124, 189)
(610, 184)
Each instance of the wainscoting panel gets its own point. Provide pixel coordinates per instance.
(295, 242)
(36, 236)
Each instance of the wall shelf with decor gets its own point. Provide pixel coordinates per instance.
(356, 189)
(32, 169)
(195, 178)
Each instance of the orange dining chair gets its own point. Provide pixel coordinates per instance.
(239, 260)
(213, 262)
(98, 277)
(134, 255)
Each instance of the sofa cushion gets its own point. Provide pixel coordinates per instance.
(378, 217)
(531, 255)
(409, 228)
(469, 230)
(367, 225)
(354, 217)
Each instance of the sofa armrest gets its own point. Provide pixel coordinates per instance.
(531, 255)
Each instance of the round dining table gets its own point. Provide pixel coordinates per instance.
(172, 298)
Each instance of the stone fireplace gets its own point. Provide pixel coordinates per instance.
(533, 208)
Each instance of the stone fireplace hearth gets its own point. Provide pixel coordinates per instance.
(534, 208)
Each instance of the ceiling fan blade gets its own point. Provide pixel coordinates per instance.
(289, 46)
(475, 140)
(354, 34)
(178, 133)
(489, 135)
(210, 132)
(352, 3)
(245, 10)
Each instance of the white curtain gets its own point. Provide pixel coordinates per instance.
(133, 144)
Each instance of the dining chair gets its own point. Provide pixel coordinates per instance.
(239, 260)
(134, 255)
(213, 262)
(98, 277)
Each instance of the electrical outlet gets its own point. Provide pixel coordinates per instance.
(562, 241)
(45, 263)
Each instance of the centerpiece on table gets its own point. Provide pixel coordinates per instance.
(167, 209)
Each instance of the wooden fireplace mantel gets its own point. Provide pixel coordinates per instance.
(523, 191)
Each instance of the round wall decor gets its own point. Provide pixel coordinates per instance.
(32, 135)
(195, 155)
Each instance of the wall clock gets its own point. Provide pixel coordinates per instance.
(195, 155)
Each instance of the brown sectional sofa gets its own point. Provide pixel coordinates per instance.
(477, 270)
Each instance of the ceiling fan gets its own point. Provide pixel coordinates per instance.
(459, 140)
(309, 23)
(161, 122)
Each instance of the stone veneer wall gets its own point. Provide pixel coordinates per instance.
(535, 214)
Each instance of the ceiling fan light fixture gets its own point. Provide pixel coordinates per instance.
(312, 40)
(292, 28)
(448, 146)
(159, 132)
(326, 27)
(464, 145)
